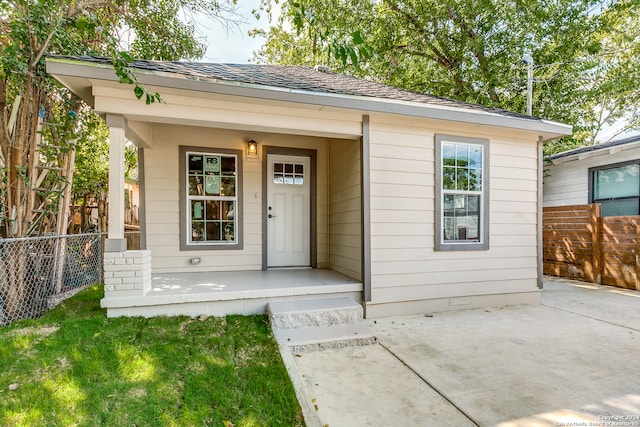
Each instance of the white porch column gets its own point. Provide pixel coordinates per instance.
(115, 241)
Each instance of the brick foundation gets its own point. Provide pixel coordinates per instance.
(127, 273)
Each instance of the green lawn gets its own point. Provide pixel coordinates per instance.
(76, 367)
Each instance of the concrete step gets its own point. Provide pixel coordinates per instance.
(313, 338)
(313, 312)
(312, 324)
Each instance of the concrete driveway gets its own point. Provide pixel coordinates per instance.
(573, 360)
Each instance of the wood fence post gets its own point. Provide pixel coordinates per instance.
(637, 253)
(595, 221)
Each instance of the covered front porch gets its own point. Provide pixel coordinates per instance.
(220, 293)
(236, 181)
(181, 270)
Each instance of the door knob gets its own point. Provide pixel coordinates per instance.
(271, 216)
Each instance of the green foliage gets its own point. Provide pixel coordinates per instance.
(586, 52)
(127, 76)
(320, 35)
(122, 30)
(76, 367)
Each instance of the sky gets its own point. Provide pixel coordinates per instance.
(232, 45)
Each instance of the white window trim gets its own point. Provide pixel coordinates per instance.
(185, 220)
(446, 245)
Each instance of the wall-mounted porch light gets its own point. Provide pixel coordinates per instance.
(252, 149)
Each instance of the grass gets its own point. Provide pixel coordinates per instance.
(75, 367)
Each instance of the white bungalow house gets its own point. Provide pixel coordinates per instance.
(607, 173)
(262, 182)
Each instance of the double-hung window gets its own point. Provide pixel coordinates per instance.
(210, 196)
(617, 188)
(462, 193)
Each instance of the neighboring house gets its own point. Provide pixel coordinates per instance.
(607, 173)
(415, 203)
(131, 203)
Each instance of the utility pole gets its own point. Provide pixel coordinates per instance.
(528, 59)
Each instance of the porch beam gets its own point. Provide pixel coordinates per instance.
(214, 114)
(115, 241)
(139, 133)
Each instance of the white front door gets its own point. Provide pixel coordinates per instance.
(288, 213)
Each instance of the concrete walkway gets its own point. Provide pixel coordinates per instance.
(573, 360)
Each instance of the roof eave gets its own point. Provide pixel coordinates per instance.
(76, 74)
(570, 156)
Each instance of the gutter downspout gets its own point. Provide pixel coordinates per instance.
(540, 203)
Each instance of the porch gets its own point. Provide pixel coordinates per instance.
(221, 293)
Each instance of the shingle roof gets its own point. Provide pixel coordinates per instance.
(604, 146)
(299, 78)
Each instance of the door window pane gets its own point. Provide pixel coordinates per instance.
(288, 174)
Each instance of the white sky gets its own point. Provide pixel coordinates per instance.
(233, 45)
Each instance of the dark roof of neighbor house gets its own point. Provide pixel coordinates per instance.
(595, 147)
(299, 78)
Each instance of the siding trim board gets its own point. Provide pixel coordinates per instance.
(539, 219)
(365, 168)
(142, 210)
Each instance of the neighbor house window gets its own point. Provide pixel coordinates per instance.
(462, 190)
(616, 188)
(210, 195)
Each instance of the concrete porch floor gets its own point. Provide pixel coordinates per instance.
(572, 360)
(264, 283)
(232, 292)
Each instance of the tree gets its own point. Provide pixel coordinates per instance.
(43, 126)
(472, 50)
(40, 120)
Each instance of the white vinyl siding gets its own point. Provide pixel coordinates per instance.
(408, 274)
(162, 205)
(345, 212)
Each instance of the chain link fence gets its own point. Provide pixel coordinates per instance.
(36, 273)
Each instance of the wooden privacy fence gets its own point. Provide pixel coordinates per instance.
(579, 243)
